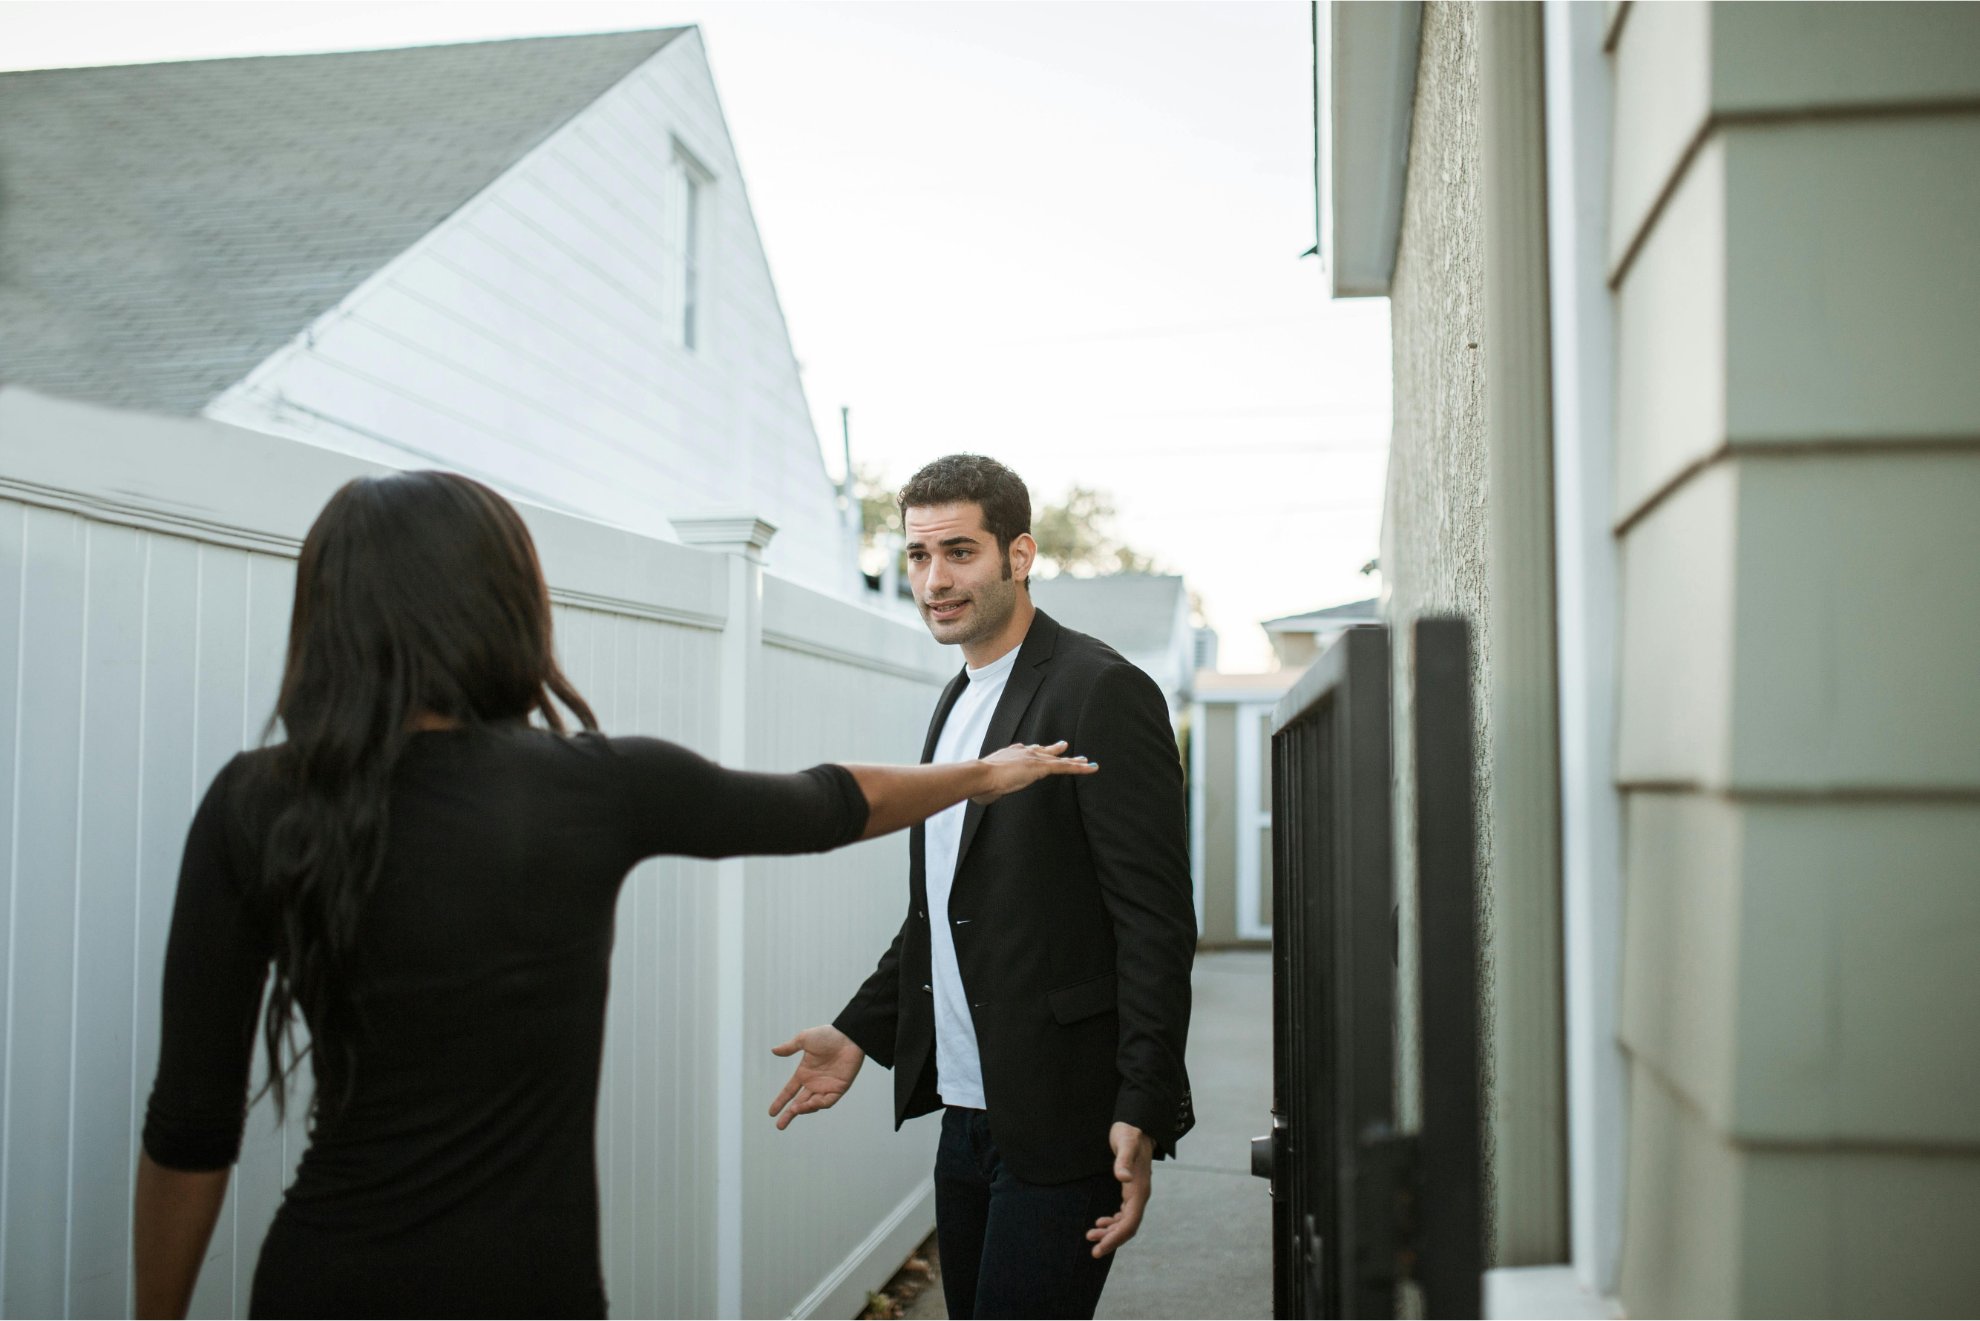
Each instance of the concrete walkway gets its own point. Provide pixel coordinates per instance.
(1205, 1247)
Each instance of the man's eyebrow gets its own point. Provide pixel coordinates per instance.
(960, 539)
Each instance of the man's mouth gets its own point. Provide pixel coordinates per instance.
(944, 611)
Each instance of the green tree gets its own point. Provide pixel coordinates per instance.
(1077, 536)
(1074, 536)
(878, 511)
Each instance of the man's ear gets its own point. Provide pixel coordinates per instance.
(1024, 553)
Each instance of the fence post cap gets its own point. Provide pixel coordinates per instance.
(735, 531)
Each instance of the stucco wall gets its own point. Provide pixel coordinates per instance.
(1433, 527)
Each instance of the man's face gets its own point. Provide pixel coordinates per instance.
(959, 578)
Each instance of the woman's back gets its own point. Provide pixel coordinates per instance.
(460, 1178)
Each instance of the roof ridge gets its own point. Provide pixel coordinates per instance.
(171, 225)
(670, 32)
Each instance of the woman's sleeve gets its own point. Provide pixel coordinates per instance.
(216, 960)
(679, 802)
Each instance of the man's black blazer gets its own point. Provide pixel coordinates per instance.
(1073, 920)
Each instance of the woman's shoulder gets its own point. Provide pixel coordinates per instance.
(251, 780)
(642, 752)
(243, 800)
(590, 751)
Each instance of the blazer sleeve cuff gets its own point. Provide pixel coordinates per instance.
(1162, 1121)
(870, 1033)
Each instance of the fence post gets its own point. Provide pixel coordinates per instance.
(1450, 1261)
(743, 537)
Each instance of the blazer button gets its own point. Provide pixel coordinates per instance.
(929, 989)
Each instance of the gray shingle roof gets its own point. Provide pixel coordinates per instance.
(166, 227)
(1134, 613)
(1354, 612)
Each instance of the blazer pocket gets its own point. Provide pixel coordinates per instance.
(1084, 999)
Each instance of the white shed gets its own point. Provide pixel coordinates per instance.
(1230, 773)
(530, 261)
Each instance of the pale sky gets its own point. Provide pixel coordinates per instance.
(1067, 235)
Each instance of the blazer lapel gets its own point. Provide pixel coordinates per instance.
(943, 706)
(1026, 676)
(918, 835)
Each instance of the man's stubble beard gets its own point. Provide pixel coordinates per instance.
(995, 604)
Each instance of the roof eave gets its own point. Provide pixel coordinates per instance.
(1367, 73)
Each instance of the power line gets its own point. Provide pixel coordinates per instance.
(1265, 410)
(1257, 511)
(1155, 332)
(1237, 451)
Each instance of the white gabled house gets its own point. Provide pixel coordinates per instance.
(530, 261)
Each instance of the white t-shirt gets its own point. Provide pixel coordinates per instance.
(958, 1068)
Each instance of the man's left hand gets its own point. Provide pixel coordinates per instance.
(1134, 1159)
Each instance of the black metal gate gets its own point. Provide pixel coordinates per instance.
(1358, 1207)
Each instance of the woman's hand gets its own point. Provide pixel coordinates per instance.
(899, 796)
(1022, 764)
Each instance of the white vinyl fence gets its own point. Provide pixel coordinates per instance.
(146, 570)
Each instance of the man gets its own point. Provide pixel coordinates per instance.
(1038, 992)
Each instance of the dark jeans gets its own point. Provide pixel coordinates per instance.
(1011, 1248)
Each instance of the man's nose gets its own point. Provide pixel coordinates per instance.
(939, 578)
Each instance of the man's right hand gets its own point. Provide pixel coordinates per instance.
(831, 1062)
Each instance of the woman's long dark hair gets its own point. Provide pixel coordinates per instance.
(419, 592)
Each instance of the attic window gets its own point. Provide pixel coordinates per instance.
(690, 257)
(690, 186)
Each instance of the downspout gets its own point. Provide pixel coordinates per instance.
(1528, 1103)
(1588, 584)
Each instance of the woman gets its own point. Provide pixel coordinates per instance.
(433, 879)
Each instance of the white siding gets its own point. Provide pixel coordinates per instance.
(146, 573)
(534, 339)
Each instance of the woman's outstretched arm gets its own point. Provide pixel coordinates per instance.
(901, 796)
(175, 1213)
(678, 802)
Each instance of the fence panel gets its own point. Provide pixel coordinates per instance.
(656, 1103)
(1334, 985)
(1360, 1208)
(146, 572)
(136, 664)
(816, 928)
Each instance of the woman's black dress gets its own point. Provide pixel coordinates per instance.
(461, 1181)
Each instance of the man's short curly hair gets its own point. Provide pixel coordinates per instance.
(999, 492)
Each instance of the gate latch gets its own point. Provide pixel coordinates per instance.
(1264, 1151)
